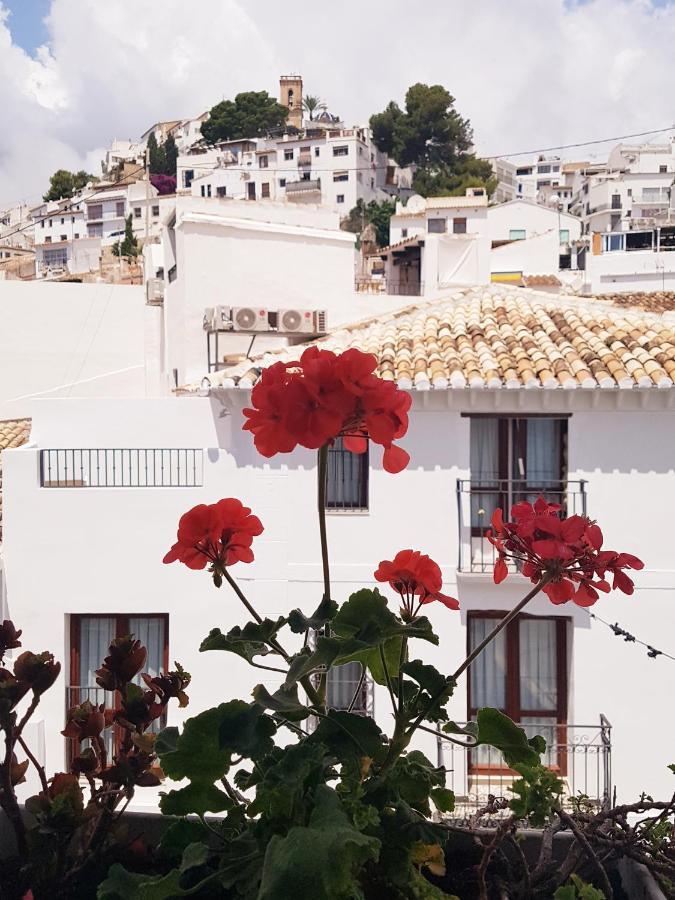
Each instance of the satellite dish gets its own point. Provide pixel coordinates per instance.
(415, 204)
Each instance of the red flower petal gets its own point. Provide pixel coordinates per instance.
(501, 570)
(395, 459)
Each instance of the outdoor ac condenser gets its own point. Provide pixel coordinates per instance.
(249, 318)
(301, 321)
(218, 318)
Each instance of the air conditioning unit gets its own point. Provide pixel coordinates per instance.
(301, 321)
(154, 291)
(218, 318)
(249, 318)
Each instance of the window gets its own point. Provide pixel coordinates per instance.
(95, 211)
(63, 221)
(343, 150)
(137, 212)
(515, 459)
(543, 184)
(51, 221)
(250, 190)
(543, 170)
(564, 235)
(347, 478)
(555, 168)
(459, 226)
(306, 176)
(42, 223)
(155, 211)
(525, 170)
(288, 154)
(77, 235)
(119, 208)
(340, 176)
(188, 177)
(663, 169)
(95, 230)
(523, 672)
(265, 189)
(630, 192)
(404, 232)
(317, 151)
(340, 198)
(516, 234)
(72, 219)
(282, 182)
(616, 201)
(90, 637)
(221, 191)
(48, 239)
(343, 682)
(263, 162)
(436, 226)
(63, 237)
(56, 258)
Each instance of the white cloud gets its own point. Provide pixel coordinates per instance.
(528, 75)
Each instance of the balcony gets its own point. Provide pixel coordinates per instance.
(304, 158)
(304, 191)
(659, 197)
(121, 468)
(476, 501)
(581, 755)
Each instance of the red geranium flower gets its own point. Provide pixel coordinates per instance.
(417, 578)
(325, 396)
(220, 533)
(567, 552)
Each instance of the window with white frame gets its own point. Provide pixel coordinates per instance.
(517, 234)
(344, 685)
(346, 478)
(263, 162)
(340, 198)
(342, 150)
(288, 154)
(340, 176)
(437, 226)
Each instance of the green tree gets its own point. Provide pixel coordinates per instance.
(63, 184)
(377, 214)
(170, 155)
(251, 114)
(432, 136)
(156, 156)
(129, 246)
(312, 104)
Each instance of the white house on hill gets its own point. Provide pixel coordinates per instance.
(515, 393)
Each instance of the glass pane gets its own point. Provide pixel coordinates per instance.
(346, 486)
(546, 728)
(96, 633)
(488, 671)
(538, 664)
(342, 682)
(149, 630)
(484, 462)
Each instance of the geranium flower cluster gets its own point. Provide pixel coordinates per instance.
(325, 396)
(568, 552)
(416, 578)
(218, 533)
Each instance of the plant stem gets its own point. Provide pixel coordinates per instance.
(359, 688)
(321, 504)
(9, 802)
(39, 768)
(502, 624)
(388, 678)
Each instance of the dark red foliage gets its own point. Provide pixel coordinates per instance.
(165, 184)
(567, 552)
(417, 578)
(38, 670)
(9, 637)
(126, 657)
(86, 721)
(218, 533)
(324, 396)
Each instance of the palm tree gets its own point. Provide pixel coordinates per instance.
(312, 104)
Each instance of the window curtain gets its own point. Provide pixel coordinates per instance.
(484, 461)
(346, 487)
(488, 671)
(342, 682)
(96, 633)
(149, 630)
(538, 664)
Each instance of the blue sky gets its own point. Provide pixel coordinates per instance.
(26, 22)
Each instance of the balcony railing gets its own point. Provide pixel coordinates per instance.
(477, 499)
(303, 186)
(581, 756)
(132, 468)
(660, 197)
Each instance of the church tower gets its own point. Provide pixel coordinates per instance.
(290, 95)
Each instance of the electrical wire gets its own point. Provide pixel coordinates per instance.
(620, 137)
(652, 652)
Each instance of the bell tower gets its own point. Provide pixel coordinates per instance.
(290, 95)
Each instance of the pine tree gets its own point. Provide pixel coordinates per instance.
(156, 156)
(170, 155)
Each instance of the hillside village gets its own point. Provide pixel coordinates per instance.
(529, 307)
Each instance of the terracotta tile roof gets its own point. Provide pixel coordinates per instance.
(411, 241)
(456, 202)
(13, 433)
(541, 281)
(500, 336)
(653, 301)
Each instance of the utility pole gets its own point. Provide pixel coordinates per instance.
(147, 205)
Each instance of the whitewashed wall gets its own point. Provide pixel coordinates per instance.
(100, 550)
(628, 271)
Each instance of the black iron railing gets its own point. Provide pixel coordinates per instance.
(581, 756)
(477, 499)
(129, 467)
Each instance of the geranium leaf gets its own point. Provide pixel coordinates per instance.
(347, 735)
(321, 860)
(248, 642)
(444, 799)
(123, 885)
(246, 730)
(324, 613)
(199, 797)
(497, 730)
(284, 701)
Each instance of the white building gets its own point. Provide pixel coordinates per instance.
(531, 239)
(437, 242)
(62, 239)
(514, 393)
(535, 180)
(330, 166)
(628, 261)
(15, 228)
(507, 185)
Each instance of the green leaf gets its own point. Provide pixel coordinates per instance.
(366, 617)
(194, 855)
(497, 730)
(199, 797)
(321, 861)
(412, 779)
(324, 613)
(285, 791)
(432, 684)
(246, 730)
(348, 734)
(248, 642)
(167, 740)
(537, 792)
(123, 885)
(179, 835)
(470, 728)
(284, 701)
(198, 754)
(444, 799)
